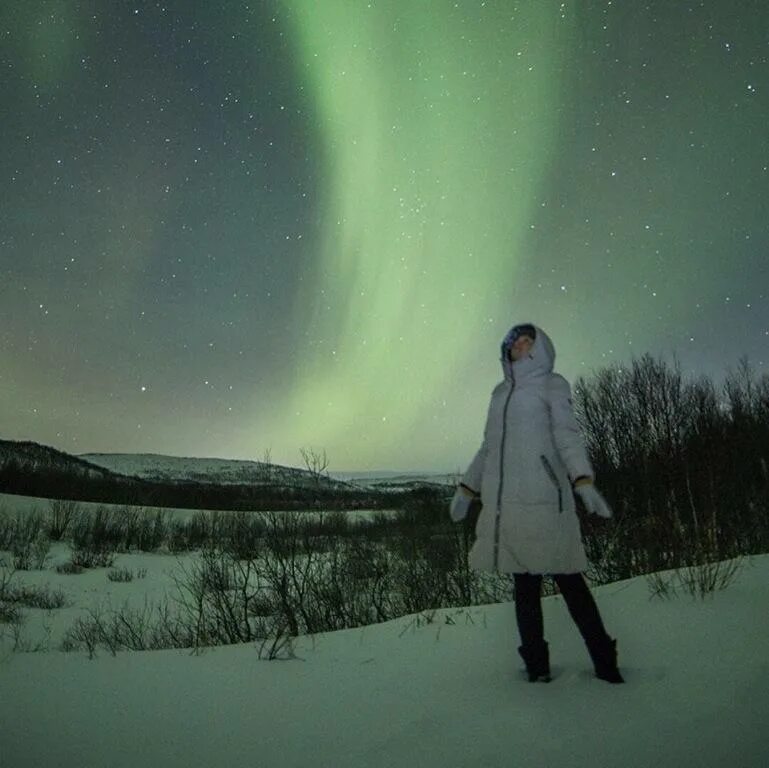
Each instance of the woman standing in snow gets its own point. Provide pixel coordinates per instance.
(531, 458)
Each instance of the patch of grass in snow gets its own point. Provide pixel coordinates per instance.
(126, 574)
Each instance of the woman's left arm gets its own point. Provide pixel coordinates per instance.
(566, 432)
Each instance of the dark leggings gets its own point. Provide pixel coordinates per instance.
(579, 601)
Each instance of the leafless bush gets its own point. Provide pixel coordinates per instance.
(96, 537)
(703, 579)
(26, 539)
(10, 613)
(153, 627)
(151, 530)
(92, 558)
(193, 534)
(684, 468)
(37, 597)
(216, 598)
(125, 574)
(316, 462)
(69, 568)
(274, 640)
(31, 554)
(294, 578)
(698, 579)
(7, 528)
(61, 513)
(15, 596)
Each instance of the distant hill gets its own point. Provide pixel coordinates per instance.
(152, 466)
(32, 457)
(385, 479)
(31, 469)
(175, 469)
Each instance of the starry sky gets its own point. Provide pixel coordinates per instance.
(237, 229)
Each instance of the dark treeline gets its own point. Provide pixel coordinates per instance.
(683, 463)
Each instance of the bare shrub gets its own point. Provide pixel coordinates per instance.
(61, 513)
(7, 528)
(192, 534)
(291, 576)
(92, 558)
(96, 537)
(30, 554)
(704, 578)
(683, 466)
(177, 536)
(125, 574)
(662, 584)
(241, 534)
(275, 642)
(316, 462)
(14, 596)
(699, 580)
(152, 627)
(152, 529)
(200, 530)
(215, 598)
(37, 597)
(27, 540)
(10, 613)
(69, 568)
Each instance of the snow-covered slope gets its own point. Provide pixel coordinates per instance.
(439, 694)
(202, 470)
(385, 479)
(29, 456)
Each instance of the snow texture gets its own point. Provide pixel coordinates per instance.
(439, 694)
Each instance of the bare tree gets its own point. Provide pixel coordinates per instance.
(61, 514)
(316, 463)
(267, 462)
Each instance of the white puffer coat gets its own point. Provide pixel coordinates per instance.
(532, 451)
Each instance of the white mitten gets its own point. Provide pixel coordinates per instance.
(460, 503)
(594, 503)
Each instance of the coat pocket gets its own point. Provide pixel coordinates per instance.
(554, 479)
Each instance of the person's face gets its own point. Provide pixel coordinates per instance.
(521, 347)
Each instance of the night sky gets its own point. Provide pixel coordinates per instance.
(229, 227)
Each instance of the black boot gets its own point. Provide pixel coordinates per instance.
(604, 655)
(537, 660)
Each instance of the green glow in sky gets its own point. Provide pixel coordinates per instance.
(437, 127)
(237, 228)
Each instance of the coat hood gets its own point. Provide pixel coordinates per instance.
(540, 360)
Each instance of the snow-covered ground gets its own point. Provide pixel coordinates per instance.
(411, 692)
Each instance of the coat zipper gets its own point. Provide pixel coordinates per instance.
(501, 476)
(551, 473)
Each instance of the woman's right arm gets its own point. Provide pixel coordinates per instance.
(471, 480)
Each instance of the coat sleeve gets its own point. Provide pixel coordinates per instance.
(566, 432)
(472, 477)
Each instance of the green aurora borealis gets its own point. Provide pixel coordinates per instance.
(234, 228)
(427, 194)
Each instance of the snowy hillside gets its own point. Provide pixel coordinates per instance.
(205, 470)
(231, 471)
(439, 691)
(394, 480)
(29, 456)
